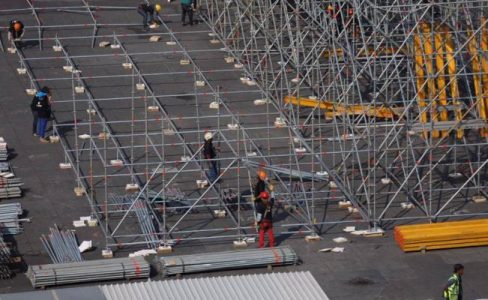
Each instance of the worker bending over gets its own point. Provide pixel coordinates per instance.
(149, 13)
(15, 32)
(264, 217)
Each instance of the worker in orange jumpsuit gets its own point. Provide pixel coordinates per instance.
(264, 218)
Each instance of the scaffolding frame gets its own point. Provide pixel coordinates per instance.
(339, 61)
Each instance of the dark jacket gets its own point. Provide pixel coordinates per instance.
(264, 211)
(147, 8)
(40, 104)
(209, 150)
(259, 187)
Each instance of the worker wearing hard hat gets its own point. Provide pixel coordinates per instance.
(264, 217)
(149, 12)
(210, 154)
(261, 185)
(15, 31)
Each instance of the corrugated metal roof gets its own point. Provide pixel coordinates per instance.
(271, 286)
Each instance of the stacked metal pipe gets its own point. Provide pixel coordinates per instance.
(3, 150)
(5, 259)
(88, 271)
(9, 218)
(239, 259)
(9, 185)
(143, 214)
(4, 167)
(61, 245)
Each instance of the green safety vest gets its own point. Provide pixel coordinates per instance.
(452, 291)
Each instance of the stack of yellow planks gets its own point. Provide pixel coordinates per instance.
(446, 235)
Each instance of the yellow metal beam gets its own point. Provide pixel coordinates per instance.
(439, 42)
(484, 67)
(338, 109)
(472, 48)
(432, 92)
(420, 79)
(451, 68)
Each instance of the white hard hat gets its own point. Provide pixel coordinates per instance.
(208, 135)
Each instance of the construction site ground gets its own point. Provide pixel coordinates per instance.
(369, 268)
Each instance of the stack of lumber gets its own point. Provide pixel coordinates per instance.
(446, 235)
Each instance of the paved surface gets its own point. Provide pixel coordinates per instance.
(368, 268)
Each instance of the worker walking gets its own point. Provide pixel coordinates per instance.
(210, 154)
(187, 8)
(149, 13)
(454, 287)
(264, 218)
(41, 104)
(15, 32)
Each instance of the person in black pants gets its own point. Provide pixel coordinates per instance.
(187, 8)
(42, 105)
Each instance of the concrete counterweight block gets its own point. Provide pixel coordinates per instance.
(79, 191)
(154, 38)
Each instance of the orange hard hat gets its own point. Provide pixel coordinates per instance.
(262, 175)
(18, 26)
(264, 195)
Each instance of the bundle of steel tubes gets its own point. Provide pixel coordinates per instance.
(9, 218)
(239, 259)
(9, 185)
(61, 246)
(88, 271)
(143, 214)
(3, 150)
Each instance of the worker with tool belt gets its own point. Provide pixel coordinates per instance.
(454, 286)
(15, 31)
(149, 13)
(264, 217)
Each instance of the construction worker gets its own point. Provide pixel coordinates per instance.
(149, 13)
(454, 286)
(260, 184)
(210, 154)
(41, 104)
(15, 31)
(187, 8)
(264, 218)
(44, 92)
